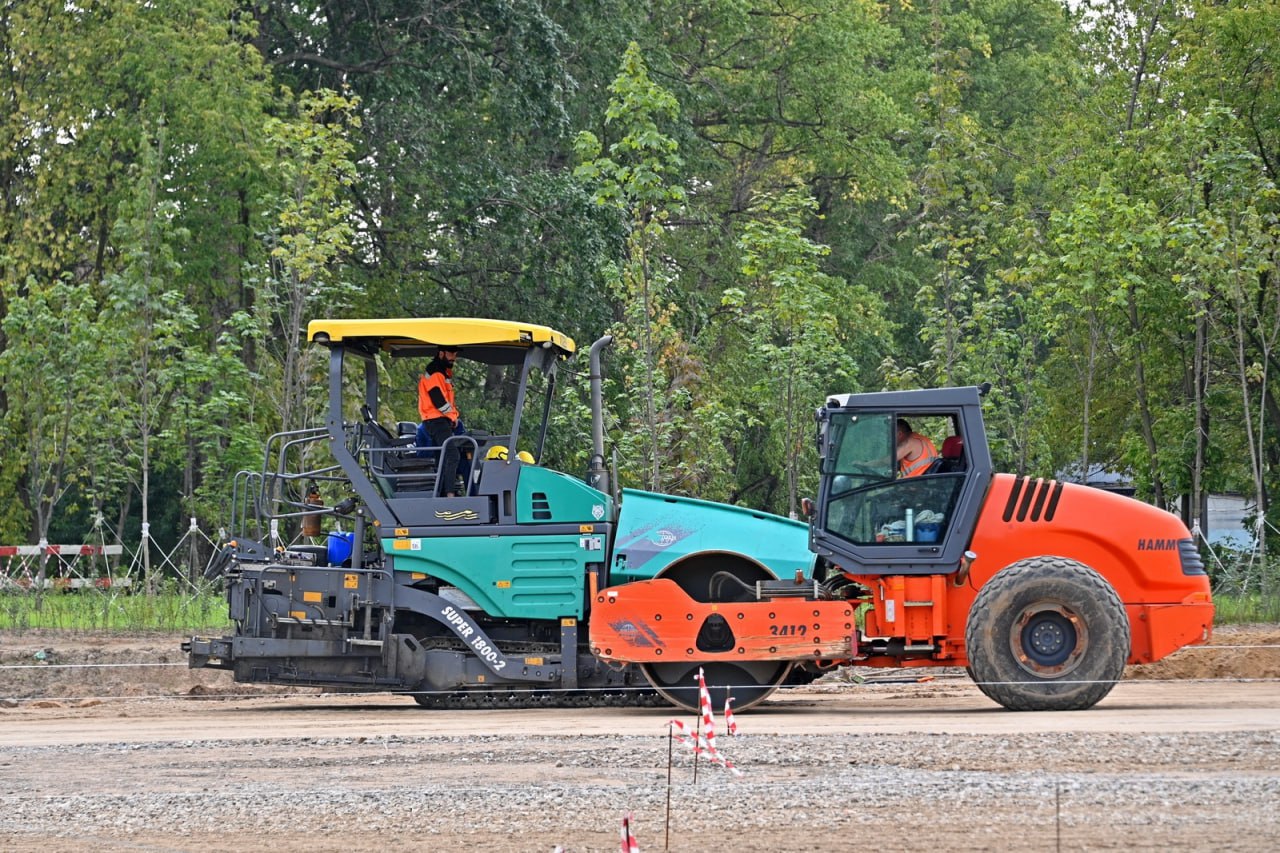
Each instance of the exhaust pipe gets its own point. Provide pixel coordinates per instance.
(597, 474)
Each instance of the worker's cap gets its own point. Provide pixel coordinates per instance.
(449, 349)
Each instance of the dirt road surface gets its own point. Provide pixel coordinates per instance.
(155, 757)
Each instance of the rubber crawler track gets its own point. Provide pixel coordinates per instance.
(521, 699)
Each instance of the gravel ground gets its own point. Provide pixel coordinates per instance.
(120, 764)
(906, 792)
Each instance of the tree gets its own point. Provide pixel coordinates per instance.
(90, 87)
(1228, 244)
(639, 177)
(51, 369)
(790, 312)
(145, 329)
(465, 197)
(310, 235)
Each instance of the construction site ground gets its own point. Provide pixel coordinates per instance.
(109, 742)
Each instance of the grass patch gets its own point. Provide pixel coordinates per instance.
(1235, 609)
(206, 611)
(1246, 587)
(93, 610)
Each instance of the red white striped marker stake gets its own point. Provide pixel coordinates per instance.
(730, 725)
(629, 844)
(708, 716)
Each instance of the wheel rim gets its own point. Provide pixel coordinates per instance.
(1048, 639)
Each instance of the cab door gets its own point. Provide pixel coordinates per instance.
(872, 520)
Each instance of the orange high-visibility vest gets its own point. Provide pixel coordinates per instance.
(441, 382)
(916, 467)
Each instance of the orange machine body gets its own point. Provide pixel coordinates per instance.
(919, 620)
(655, 621)
(1043, 590)
(1135, 546)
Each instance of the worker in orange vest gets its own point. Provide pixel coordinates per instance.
(915, 451)
(439, 412)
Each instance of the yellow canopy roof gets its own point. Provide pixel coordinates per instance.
(412, 334)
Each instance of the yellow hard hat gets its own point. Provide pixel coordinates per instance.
(500, 452)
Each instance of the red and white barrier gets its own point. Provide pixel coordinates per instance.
(61, 550)
(703, 742)
(708, 716)
(730, 724)
(19, 566)
(629, 844)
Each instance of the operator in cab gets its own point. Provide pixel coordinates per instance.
(439, 412)
(915, 451)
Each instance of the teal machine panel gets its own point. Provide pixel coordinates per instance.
(517, 577)
(544, 496)
(656, 530)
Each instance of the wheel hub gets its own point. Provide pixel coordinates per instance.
(1048, 639)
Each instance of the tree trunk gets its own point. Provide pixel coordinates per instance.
(1251, 434)
(650, 406)
(1146, 419)
(792, 457)
(1199, 494)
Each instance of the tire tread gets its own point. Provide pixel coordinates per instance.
(991, 663)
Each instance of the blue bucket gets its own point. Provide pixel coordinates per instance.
(927, 532)
(340, 548)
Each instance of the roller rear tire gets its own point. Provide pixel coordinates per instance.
(1047, 634)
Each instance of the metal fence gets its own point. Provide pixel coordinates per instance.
(104, 561)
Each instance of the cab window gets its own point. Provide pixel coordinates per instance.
(862, 448)
(868, 502)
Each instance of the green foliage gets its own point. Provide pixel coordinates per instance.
(1244, 586)
(128, 183)
(1233, 609)
(309, 233)
(51, 370)
(792, 315)
(636, 175)
(764, 202)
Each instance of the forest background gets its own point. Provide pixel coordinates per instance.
(765, 201)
